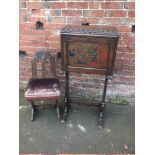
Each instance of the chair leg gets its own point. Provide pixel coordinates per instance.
(67, 104)
(57, 109)
(32, 110)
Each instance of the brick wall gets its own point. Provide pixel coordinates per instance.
(54, 14)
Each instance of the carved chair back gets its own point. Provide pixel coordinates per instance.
(43, 67)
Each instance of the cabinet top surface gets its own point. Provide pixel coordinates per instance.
(90, 30)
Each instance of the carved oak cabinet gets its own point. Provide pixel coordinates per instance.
(88, 49)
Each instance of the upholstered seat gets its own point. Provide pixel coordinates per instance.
(42, 88)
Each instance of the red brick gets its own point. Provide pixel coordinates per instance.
(23, 78)
(71, 12)
(54, 39)
(131, 14)
(32, 37)
(123, 49)
(22, 12)
(25, 63)
(94, 5)
(123, 28)
(131, 20)
(26, 25)
(109, 21)
(57, 5)
(30, 50)
(124, 35)
(127, 42)
(33, 31)
(23, 19)
(53, 26)
(111, 5)
(130, 56)
(129, 5)
(93, 13)
(35, 19)
(54, 45)
(34, 5)
(33, 43)
(131, 49)
(115, 13)
(58, 20)
(75, 20)
(131, 41)
(125, 55)
(123, 42)
(92, 20)
(36, 12)
(77, 5)
(128, 67)
(125, 62)
(22, 16)
(55, 32)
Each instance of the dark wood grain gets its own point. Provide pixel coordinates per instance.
(104, 45)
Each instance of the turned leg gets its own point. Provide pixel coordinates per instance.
(65, 111)
(100, 121)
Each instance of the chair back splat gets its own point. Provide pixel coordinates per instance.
(45, 65)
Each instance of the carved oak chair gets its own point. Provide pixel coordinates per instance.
(46, 87)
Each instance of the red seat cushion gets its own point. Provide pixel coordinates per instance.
(43, 88)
